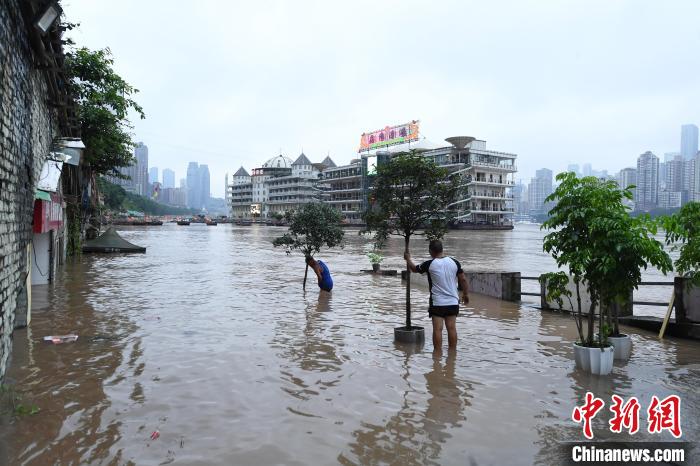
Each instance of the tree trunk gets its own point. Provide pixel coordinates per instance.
(578, 318)
(601, 335)
(306, 271)
(408, 289)
(591, 321)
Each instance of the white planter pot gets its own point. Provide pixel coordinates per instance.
(622, 345)
(594, 360)
(582, 358)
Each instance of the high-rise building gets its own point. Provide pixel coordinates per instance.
(140, 182)
(194, 189)
(696, 184)
(689, 141)
(136, 174)
(627, 177)
(647, 182)
(168, 178)
(204, 186)
(153, 175)
(689, 168)
(587, 169)
(675, 171)
(183, 183)
(539, 188)
(573, 168)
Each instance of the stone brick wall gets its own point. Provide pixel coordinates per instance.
(27, 127)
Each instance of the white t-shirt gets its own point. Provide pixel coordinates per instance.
(442, 280)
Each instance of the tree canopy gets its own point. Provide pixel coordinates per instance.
(104, 101)
(311, 228)
(410, 195)
(683, 231)
(593, 235)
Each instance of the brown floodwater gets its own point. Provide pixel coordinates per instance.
(209, 339)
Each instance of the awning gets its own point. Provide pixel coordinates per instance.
(42, 195)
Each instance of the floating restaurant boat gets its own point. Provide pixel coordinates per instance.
(110, 241)
(137, 223)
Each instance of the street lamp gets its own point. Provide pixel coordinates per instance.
(44, 21)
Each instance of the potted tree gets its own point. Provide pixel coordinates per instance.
(410, 196)
(604, 248)
(311, 228)
(375, 259)
(683, 233)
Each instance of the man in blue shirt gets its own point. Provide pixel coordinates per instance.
(325, 281)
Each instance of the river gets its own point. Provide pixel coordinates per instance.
(209, 340)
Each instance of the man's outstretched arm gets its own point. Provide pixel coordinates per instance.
(409, 262)
(462, 280)
(311, 262)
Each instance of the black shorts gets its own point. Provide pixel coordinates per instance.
(443, 311)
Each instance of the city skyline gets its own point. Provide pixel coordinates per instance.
(603, 98)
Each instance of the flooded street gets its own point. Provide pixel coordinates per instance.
(209, 339)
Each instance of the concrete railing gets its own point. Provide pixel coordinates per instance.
(687, 301)
(501, 285)
(507, 286)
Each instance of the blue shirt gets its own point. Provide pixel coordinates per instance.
(326, 282)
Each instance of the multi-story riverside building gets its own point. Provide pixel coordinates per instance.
(485, 199)
(487, 178)
(279, 186)
(345, 190)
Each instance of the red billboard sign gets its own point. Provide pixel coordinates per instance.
(389, 136)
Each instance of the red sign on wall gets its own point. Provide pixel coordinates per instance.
(48, 215)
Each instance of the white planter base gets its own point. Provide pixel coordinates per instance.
(594, 360)
(622, 345)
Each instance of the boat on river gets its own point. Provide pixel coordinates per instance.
(183, 222)
(137, 223)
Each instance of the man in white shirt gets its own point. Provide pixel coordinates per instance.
(445, 279)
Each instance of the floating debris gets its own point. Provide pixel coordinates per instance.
(58, 339)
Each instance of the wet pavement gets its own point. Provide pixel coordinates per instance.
(209, 339)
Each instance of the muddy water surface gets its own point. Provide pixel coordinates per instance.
(209, 340)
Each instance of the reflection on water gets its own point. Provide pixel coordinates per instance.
(210, 340)
(416, 433)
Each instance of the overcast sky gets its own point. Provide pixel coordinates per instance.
(230, 83)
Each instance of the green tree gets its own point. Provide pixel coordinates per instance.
(113, 194)
(104, 101)
(683, 232)
(593, 235)
(314, 226)
(410, 197)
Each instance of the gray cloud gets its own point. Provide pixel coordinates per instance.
(230, 83)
